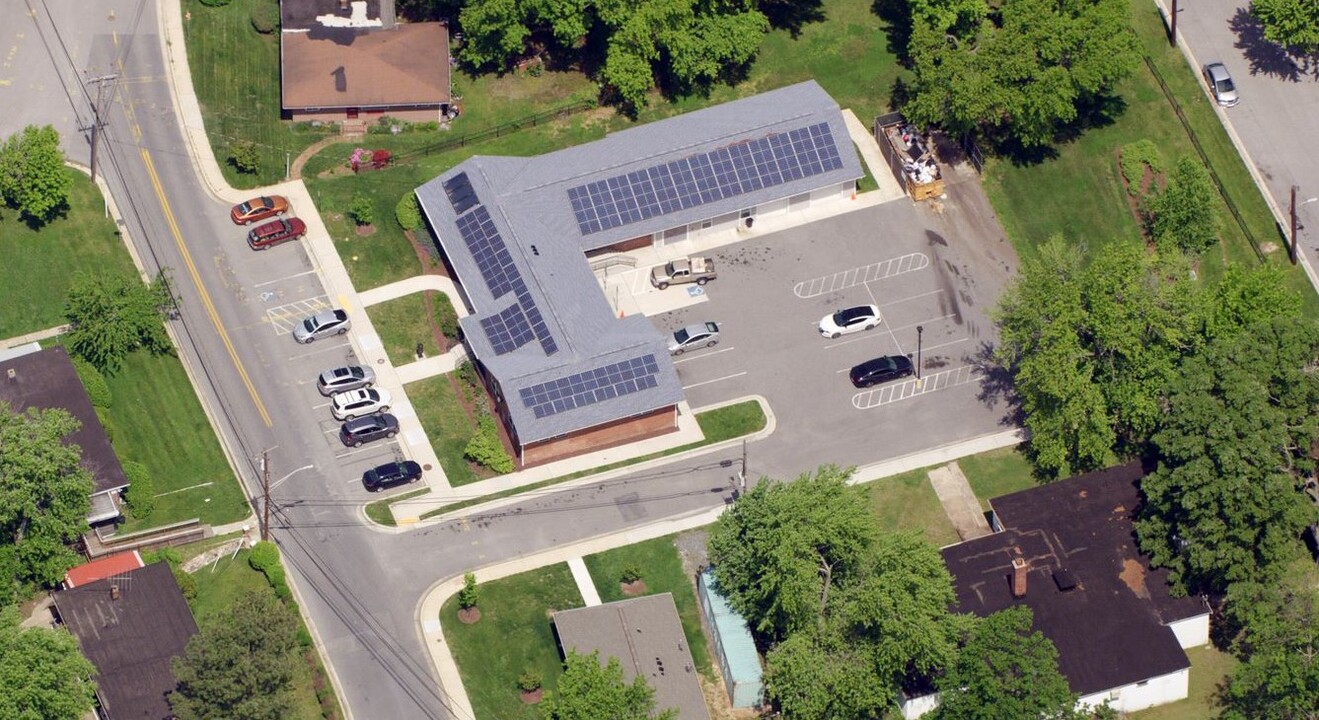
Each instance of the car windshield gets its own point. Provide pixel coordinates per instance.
(842, 317)
(245, 208)
(682, 336)
(309, 324)
(1225, 85)
(352, 372)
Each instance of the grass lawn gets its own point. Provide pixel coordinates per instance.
(40, 264)
(1082, 188)
(223, 586)
(997, 472)
(907, 502)
(1209, 667)
(235, 71)
(157, 420)
(447, 426)
(378, 511)
(718, 425)
(661, 570)
(512, 636)
(404, 322)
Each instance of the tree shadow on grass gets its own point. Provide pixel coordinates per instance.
(896, 15)
(792, 15)
(1265, 56)
(1091, 113)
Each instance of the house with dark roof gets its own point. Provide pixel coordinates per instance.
(1067, 551)
(568, 375)
(130, 625)
(350, 61)
(646, 636)
(46, 379)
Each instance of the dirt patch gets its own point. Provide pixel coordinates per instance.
(531, 697)
(633, 589)
(366, 230)
(692, 550)
(1150, 182)
(210, 556)
(468, 616)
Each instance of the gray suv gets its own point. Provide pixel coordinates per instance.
(361, 430)
(343, 379)
(322, 324)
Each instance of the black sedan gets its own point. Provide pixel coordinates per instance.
(368, 428)
(880, 370)
(391, 474)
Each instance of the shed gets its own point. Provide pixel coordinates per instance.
(738, 660)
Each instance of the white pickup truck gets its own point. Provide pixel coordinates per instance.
(699, 270)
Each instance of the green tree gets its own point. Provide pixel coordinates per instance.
(1019, 74)
(1279, 648)
(33, 178)
(589, 691)
(244, 156)
(1183, 215)
(43, 676)
(683, 42)
(1245, 297)
(361, 210)
(782, 546)
(241, 665)
(1293, 24)
(1226, 502)
(112, 315)
(816, 673)
(1006, 671)
(44, 492)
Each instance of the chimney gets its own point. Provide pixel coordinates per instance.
(1019, 569)
(13, 374)
(114, 592)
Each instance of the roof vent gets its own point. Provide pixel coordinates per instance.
(13, 373)
(1064, 579)
(114, 592)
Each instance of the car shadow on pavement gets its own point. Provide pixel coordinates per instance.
(1265, 56)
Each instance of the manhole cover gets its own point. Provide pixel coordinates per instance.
(426, 467)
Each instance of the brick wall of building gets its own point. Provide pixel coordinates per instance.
(641, 427)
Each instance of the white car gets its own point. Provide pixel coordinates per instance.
(850, 320)
(356, 403)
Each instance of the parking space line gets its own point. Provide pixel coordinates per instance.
(884, 269)
(702, 355)
(909, 298)
(318, 350)
(720, 379)
(933, 382)
(283, 279)
(363, 449)
(284, 317)
(927, 348)
(322, 405)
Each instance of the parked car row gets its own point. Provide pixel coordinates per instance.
(270, 234)
(834, 325)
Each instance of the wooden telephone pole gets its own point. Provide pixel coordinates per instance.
(265, 495)
(97, 121)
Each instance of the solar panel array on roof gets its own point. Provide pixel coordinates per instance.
(502, 276)
(592, 386)
(509, 330)
(461, 194)
(700, 179)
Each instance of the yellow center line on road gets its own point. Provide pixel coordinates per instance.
(201, 289)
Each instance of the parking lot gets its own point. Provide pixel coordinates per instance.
(922, 269)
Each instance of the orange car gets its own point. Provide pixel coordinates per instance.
(259, 209)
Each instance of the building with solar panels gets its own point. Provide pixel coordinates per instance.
(568, 375)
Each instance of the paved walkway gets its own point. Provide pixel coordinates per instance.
(889, 188)
(416, 284)
(585, 585)
(959, 502)
(34, 336)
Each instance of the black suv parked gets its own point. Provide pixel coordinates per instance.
(397, 473)
(368, 428)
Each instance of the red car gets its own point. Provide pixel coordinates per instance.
(259, 209)
(274, 233)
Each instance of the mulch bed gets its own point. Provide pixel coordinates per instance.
(633, 589)
(469, 615)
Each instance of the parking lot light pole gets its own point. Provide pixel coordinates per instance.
(920, 330)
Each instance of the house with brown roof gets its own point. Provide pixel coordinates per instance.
(343, 61)
(1067, 551)
(646, 636)
(130, 625)
(46, 379)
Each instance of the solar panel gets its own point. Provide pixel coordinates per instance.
(507, 331)
(704, 178)
(461, 194)
(502, 276)
(591, 386)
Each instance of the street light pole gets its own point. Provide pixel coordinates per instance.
(920, 331)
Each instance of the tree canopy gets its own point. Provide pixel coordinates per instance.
(1005, 671)
(1293, 24)
(1279, 647)
(1184, 214)
(680, 44)
(112, 315)
(44, 494)
(1226, 503)
(782, 546)
(33, 178)
(241, 665)
(43, 676)
(1017, 71)
(588, 690)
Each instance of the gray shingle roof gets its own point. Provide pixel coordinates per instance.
(527, 200)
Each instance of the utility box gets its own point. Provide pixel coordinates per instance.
(910, 155)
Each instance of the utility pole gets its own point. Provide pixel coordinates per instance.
(1172, 31)
(1291, 247)
(97, 121)
(265, 495)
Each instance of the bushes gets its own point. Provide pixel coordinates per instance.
(445, 316)
(98, 390)
(468, 595)
(1183, 215)
(265, 17)
(245, 158)
(141, 493)
(265, 559)
(361, 210)
(408, 212)
(486, 449)
(1135, 158)
(629, 575)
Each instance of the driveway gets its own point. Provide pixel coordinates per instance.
(1275, 119)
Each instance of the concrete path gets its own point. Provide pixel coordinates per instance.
(585, 585)
(431, 366)
(34, 336)
(416, 284)
(865, 140)
(959, 501)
